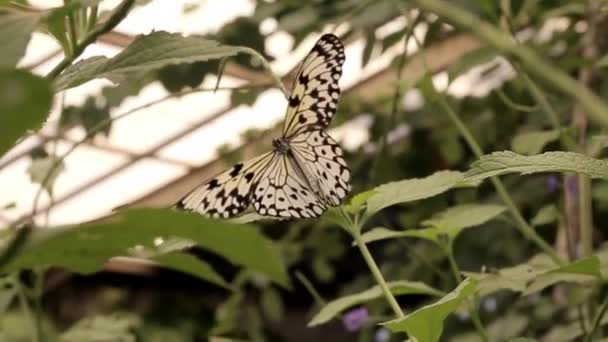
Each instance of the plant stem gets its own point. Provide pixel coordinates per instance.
(266, 65)
(376, 273)
(596, 108)
(310, 288)
(117, 16)
(597, 320)
(473, 305)
(25, 308)
(522, 224)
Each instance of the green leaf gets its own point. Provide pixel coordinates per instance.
(471, 59)
(358, 201)
(56, 18)
(547, 214)
(25, 101)
(523, 339)
(333, 308)
(16, 28)
(449, 222)
(500, 163)
(579, 271)
(85, 248)
(116, 327)
(272, 304)
(536, 274)
(530, 143)
(465, 216)
(191, 265)
(146, 53)
(41, 168)
(414, 189)
(426, 323)
(381, 233)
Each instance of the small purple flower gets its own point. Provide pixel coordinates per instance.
(355, 319)
(553, 183)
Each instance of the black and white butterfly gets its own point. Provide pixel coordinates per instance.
(305, 172)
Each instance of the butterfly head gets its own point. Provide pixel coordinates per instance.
(281, 145)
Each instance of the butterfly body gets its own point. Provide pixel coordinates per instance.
(305, 172)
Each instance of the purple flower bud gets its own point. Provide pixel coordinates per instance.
(553, 183)
(355, 319)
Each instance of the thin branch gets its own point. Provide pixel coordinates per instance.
(396, 97)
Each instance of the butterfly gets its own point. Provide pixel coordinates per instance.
(305, 172)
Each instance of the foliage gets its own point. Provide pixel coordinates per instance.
(507, 182)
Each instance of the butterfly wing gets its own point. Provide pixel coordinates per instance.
(322, 160)
(228, 193)
(315, 91)
(284, 191)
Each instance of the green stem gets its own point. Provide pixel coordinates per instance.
(522, 224)
(473, 305)
(597, 320)
(597, 109)
(566, 140)
(117, 16)
(266, 65)
(376, 273)
(72, 32)
(25, 308)
(586, 226)
(310, 288)
(38, 291)
(517, 106)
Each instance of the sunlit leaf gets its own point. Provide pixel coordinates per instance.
(45, 171)
(115, 327)
(358, 201)
(272, 304)
(536, 274)
(531, 143)
(465, 216)
(146, 53)
(547, 214)
(85, 248)
(381, 233)
(16, 29)
(25, 101)
(499, 163)
(413, 189)
(426, 323)
(333, 308)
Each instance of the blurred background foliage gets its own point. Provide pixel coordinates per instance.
(169, 306)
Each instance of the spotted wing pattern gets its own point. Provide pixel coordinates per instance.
(228, 193)
(311, 174)
(284, 191)
(315, 92)
(322, 160)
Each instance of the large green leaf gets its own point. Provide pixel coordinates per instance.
(413, 189)
(146, 53)
(87, 247)
(25, 101)
(100, 328)
(333, 308)
(499, 163)
(426, 323)
(15, 31)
